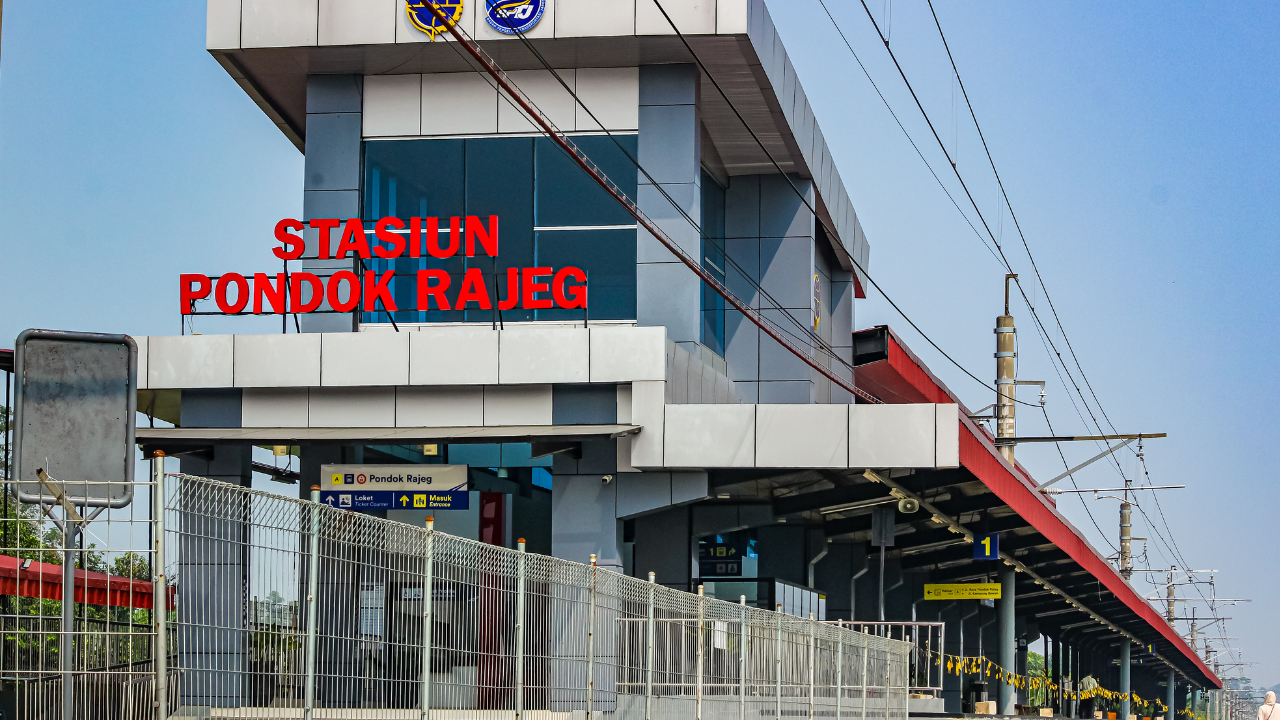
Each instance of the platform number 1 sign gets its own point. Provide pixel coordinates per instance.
(986, 547)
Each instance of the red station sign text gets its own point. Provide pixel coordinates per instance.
(304, 292)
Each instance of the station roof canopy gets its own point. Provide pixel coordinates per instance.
(1064, 585)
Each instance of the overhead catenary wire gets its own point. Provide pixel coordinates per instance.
(831, 232)
(574, 155)
(583, 161)
(1042, 330)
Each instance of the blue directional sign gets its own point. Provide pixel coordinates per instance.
(986, 547)
(396, 499)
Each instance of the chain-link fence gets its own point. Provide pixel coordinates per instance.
(289, 608)
(283, 608)
(77, 607)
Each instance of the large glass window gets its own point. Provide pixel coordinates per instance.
(713, 261)
(528, 183)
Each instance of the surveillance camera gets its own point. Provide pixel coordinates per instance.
(606, 479)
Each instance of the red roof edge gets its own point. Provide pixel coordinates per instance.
(1016, 488)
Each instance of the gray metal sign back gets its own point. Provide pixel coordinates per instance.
(74, 417)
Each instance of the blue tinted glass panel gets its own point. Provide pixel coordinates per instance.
(567, 196)
(415, 178)
(499, 181)
(713, 261)
(609, 259)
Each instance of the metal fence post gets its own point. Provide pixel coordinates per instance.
(742, 660)
(520, 559)
(839, 666)
(428, 622)
(777, 667)
(866, 654)
(160, 589)
(648, 681)
(701, 641)
(313, 588)
(591, 644)
(812, 639)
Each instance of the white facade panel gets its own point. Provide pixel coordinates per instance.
(142, 380)
(708, 436)
(277, 360)
(517, 405)
(593, 18)
(731, 17)
(352, 407)
(612, 94)
(365, 359)
(222, 25)
(278, 23)
(274, 407)
(458, 104)
(648, 408)
(556, 354)
(440, 406)
(802, 436)
(626, 354)
(947, 436)
(891, 436)
(392, 105)
(358, 22)
(453, 356)
(692, 17)
(546, 93)
(190, 361)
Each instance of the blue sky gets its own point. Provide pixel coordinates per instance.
(1137, 142)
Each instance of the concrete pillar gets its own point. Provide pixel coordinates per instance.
(213, 562)
(1170, 695)
(1008, 639)
(584, 521)
(1126, 671)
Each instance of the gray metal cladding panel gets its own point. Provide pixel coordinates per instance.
(333, 152)
(669, 143)
(335, 93)
(330, 204)
(668, 84)
(584, 404)
(217, 407)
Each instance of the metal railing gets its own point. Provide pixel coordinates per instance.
(395, 621)
(926, 639)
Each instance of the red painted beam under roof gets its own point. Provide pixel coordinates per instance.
(44, 580)
(900, 377)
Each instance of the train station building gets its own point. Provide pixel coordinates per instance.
(654, 426)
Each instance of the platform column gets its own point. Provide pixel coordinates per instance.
(1170, 695)
(1008, 641)
(1125, 671)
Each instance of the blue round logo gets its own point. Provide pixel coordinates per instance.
(514, 16)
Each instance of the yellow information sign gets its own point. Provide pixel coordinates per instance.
(962, 591)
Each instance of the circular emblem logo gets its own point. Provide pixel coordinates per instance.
(514, 16)
(361, 478)
(426, 21)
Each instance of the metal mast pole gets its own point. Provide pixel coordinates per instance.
(1170, 612)
(1006, 370)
